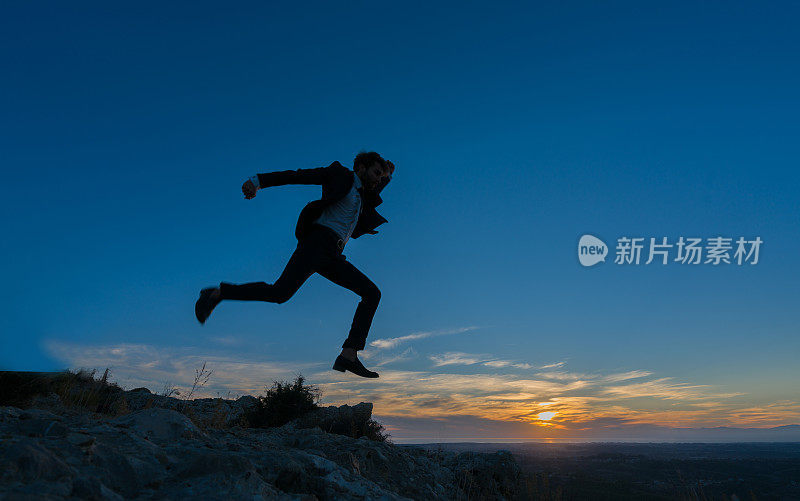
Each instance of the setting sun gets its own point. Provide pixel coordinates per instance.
(545, 416)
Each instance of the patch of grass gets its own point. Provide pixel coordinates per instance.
(284, 402)
(77, 389)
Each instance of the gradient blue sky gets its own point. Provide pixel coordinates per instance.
(128, 130)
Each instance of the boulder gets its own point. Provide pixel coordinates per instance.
(159, 425)
(26, 460)
(343, 420)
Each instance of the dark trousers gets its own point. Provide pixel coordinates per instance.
(318, 252)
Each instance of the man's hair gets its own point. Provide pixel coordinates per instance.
(367, 158)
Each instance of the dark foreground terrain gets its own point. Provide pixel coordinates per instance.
(69, 436)
(618, 471)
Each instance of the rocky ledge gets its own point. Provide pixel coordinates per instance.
(156, 447)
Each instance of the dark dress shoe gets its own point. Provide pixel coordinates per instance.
(205, 304)
(342, 364)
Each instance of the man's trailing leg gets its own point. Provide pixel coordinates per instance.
(297, 270)
(209, 299)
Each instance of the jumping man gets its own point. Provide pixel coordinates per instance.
(346, 209)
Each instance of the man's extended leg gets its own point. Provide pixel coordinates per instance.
(345, 274)
(342, 272)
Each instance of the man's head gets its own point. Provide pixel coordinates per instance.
(374, 171)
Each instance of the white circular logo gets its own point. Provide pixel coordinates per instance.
(591, 250)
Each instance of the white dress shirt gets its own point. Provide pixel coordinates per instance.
(342, 215)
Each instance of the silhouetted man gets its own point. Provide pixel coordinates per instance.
(346, 209)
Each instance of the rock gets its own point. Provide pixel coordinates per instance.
(125, 473)
(39, 490)
(52, 402)
(247, 401)
(343, 420)
(8, 414)
(91, 489)
(159, 425)
(26, 460)
(80, 439)
(217, 486)
(115, 470)
(38, 414)
(42, 428)
(209, 462)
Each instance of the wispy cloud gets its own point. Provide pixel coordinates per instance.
(624, 376)
(459, 358)
(563, 375)
(552, 366)
(392, 342)
(497, 363)
(407, 354)
(664, 388)
(454, 358)
(507, 363)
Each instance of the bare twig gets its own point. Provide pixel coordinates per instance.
(200, 379)
(169, 390)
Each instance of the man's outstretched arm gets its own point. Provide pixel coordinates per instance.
(301, 176)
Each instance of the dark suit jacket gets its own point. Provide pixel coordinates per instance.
(336, 181)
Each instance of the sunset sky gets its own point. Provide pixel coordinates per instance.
(128, 130)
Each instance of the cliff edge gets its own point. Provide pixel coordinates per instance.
(146, 446)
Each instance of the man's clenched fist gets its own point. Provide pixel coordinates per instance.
(249, 189)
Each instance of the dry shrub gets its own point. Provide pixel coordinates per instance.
(284, 402)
